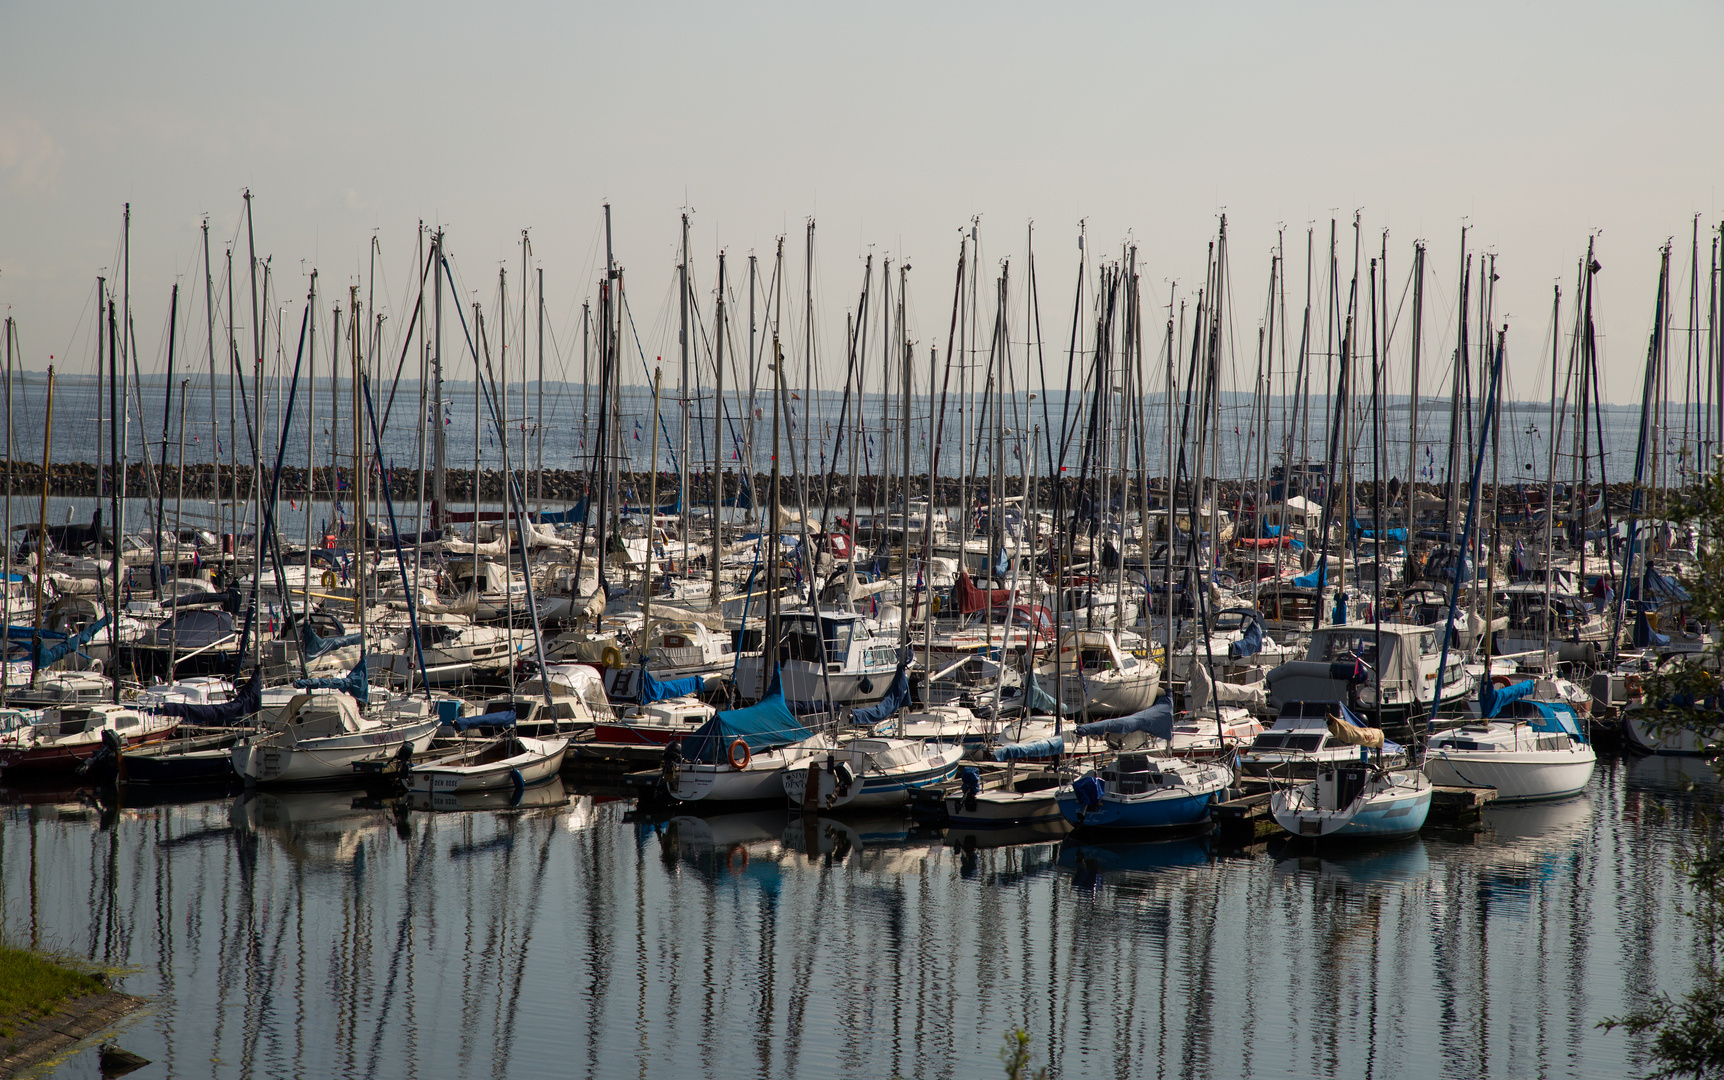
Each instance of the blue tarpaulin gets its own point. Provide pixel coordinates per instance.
(765, 725)
(1157, 720)
(45, 656)
(227, 713)
(313, 646)
(1494, 699)
(1036, 749)
(501, 718)
(1250, 643)
(652, 689)
(1038, 700)
(897, 696)
(356, 682)
(1312, 579)
(1645, 636)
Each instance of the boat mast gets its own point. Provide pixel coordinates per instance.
(116, 493)
(167, 413)
(6, 595)
(718, 435)
(42, 517)
(652, 495)
(686, 389)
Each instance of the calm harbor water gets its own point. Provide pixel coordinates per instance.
(311, 934)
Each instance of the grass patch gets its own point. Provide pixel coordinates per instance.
(32, 985)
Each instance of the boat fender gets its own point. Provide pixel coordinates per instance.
(866, 685)
(740, 755)
(611, 658)
(329, 579)
(517, 780)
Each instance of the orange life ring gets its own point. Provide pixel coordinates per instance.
(1501, 681)
(739, 761)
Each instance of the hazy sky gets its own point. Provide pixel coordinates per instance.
(890, 124)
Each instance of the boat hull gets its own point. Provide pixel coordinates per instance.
(873, 788)
(1002, 809)
(66, 756)
(265, 761)
(540, 762)
(1390, 815)
(1517, 777)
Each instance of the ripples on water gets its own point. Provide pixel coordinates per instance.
(318, 935)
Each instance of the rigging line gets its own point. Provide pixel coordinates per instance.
(663, 427)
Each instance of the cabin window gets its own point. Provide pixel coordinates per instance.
(126, 720)
(1305, 743)
(1339, 647)
(1269, 742)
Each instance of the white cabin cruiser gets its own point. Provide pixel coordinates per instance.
(835, 658)
(1387, 672)
(319, 737)
(1309, 735)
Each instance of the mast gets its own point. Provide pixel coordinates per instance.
(117, 493)
(11, 456)
(1550, 475)
(652, 494)
(439, 439)
(179, 517)
(687, 389)
(717, 435)
(539, 419)
(360, 473)
(42, 522)
(904, 522)
(1413, 408)
(167, 412)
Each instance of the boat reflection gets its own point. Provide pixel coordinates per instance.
(1091, 865)
(316, 829)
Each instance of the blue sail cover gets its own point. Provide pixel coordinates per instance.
(1645, 636)
(1312, 579)
(1493, 700)
(50, 654)
(765, 725)
(225, 714)
(1250, 643)
(356, 682)
(502, 718)
(652, 689)
(1157, 720)
(897, 696)
(312, 646)
(1038, 700)
(1035, 749)
(28, 633)
(1555, 718)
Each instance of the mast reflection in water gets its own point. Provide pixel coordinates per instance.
(324, 934)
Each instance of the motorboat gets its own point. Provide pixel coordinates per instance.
(70, 734)
(1098, 678)
(870, 772)
(1386, 672)
(825, 660)
(320, 736)
(1312, 734)
(1525, 748)
(666, 721)
(504, 762)
(1356, 800)
(1144, 792)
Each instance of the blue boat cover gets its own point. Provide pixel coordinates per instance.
(1034, 749)
(1157, 720)
(1038, 700)
(652, 689)
(897, 696)
(765, 725)
(1250, 643)
(502, 718)
(1088, 790)
(313, 646)
(1555, 718)
(356, 682)
(28, 633)
(225, 714)
(45, 656)
(572, 516)
(1492, 700)
(1645, 636)
(1664, 586)
(1312, 579)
